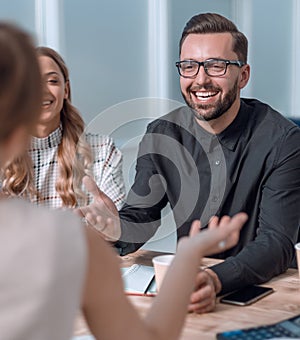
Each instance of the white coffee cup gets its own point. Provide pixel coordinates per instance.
(161, 264)
(297, 248)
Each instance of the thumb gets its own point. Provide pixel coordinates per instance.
(91, 186)
(98, 195)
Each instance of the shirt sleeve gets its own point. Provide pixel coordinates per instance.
(110, 179)
(141, 214)
(272, 250)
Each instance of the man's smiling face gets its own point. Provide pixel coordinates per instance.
(210, 97)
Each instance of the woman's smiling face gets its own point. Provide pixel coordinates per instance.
(55, 90)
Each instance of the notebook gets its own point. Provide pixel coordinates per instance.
(139, 280)
(286, 329)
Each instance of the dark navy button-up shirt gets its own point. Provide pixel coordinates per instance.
(252, 166)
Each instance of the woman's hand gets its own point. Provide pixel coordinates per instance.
(102, 213)
(221, 234)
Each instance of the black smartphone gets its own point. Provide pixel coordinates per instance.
(247, 295)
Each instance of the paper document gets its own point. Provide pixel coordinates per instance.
(139, 279)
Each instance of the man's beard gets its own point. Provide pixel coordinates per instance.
(216, 110)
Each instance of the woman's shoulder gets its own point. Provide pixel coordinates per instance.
(53, 235)
(24, 217)
(103, 146)
(47, 253)
(98, 139)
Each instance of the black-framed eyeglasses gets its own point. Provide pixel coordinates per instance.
(212, 67)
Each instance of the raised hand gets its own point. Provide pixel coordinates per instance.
(221, 234)
(102, 213)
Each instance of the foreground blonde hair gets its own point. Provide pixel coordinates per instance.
(74, 155)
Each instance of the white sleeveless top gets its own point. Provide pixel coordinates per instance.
(42, 267)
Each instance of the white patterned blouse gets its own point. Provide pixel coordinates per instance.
(107, 167)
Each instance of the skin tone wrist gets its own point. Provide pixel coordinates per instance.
(216, 281)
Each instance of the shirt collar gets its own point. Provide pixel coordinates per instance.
(230, 136)
(51, 141)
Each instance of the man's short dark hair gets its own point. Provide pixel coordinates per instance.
(215, 23)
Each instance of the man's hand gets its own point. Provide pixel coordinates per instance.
(102, 213)
(203, 299)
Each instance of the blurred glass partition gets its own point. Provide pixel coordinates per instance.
(21, 13)
(105, 46)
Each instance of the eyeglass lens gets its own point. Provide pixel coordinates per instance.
(190, 68)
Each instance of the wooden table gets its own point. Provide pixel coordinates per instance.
(284, 303)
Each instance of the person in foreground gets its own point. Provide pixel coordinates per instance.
(43, 254)
(43, 274)
(220, 154)
(60, 152)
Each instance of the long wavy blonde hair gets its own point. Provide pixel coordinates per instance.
(74, 154)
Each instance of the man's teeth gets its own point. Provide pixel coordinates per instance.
(205, 94)
(47, 102)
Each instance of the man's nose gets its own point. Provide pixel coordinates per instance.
(202, 77)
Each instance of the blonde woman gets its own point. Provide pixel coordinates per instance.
(60, 151)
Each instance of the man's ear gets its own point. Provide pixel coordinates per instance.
(15, 144)
(244, 76)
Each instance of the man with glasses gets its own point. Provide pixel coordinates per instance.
(219, 155)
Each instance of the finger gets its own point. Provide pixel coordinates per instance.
(107, 229)
(102, 223)
(195, 228)
(203, 305)
(99, 196)
(232, 226)
(91, 219)
(224, 221)
(201, 278)
(204, 293)
(215, 240)
(99, 224)
(239, 219)
(213, 222)
(92, 187)
(202, 309)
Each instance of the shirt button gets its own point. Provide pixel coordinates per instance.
(217, 162)
(215, 198)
